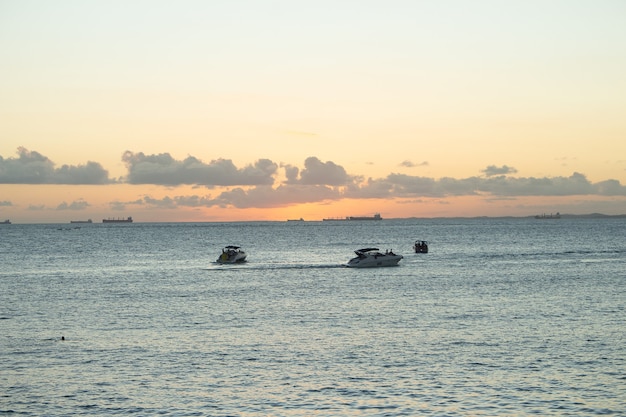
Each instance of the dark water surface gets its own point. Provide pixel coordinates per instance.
(502, 317)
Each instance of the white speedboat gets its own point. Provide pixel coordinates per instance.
(372, 257)
(231, 255)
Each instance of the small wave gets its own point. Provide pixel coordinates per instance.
(265, 267)
(600, 260)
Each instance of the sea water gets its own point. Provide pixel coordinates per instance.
(501, 317)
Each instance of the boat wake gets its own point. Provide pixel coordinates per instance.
(264, 267)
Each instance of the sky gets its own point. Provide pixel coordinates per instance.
(272, 110)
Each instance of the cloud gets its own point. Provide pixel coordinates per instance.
(409, 164)
(316, 172)
(35, 168)
(117, 206)
(576, 184)
(393, 186)
(193, 201)
(283, 195)
(400, 185)
(492, 170)
(608, 188)
(372, 188)
(75, 205)
(90, 173)
(255, 185)
(165, 202)
(291, 172)
(262, 196)
(162, 169)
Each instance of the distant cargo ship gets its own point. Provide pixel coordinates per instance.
(81, 221)
(374, 217)
(550, 216)
(7, 221)
(118, 220)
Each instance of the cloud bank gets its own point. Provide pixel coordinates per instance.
(162, 169)
(255, 185)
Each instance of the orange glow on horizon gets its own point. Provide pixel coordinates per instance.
(62, 203)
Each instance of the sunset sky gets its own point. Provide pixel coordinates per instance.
(270, 110)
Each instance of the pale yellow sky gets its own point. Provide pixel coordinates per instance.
(277, 109)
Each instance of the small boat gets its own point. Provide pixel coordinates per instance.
(420, 246)
(231, 255)
(372, 257)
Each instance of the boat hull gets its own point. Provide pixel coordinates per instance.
(126, 220)
(231, 255)
(373, 261)
(225, 259)
(421, 246)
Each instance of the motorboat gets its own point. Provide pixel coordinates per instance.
(231, 255)
(372, 257)
(420, 246)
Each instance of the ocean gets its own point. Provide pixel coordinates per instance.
(502, 317)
